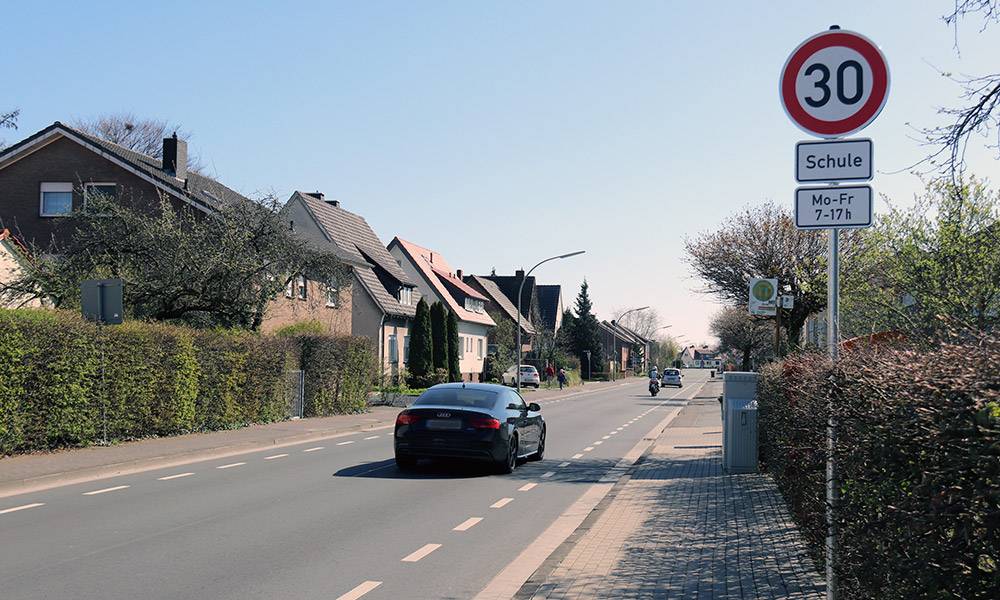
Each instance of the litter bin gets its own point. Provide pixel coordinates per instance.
(712, 373)
(739, 422)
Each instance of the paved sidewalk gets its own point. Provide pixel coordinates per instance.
(34, 472)
(680, 528)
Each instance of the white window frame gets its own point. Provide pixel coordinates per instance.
(290, 288)
(54, 187)
(479, 348)
(406, 349)
(335, 291)
(88, 185)
(393, 349)
(405, 296)
(302, 292)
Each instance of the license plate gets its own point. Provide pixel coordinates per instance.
(444, 424)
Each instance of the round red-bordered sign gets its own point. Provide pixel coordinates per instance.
(846, 76)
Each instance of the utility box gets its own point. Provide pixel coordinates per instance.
(739, 422)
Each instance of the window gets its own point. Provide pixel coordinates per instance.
(406, 349)
(479, 348)
(405, 295)
(56, 199)
(290, 288)
(468, 345)
(332, 295)
(301, 283)
(473, 305)
(91, 191)
(393, 349)
(461, 343)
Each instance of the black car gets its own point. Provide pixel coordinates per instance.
(479, 421)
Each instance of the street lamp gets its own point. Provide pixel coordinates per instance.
(614, 338)
(520, 290)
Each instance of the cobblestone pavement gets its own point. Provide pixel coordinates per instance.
(680, 528)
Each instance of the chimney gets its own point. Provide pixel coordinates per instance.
(333, 202)
(432, 257)
(175, 156)
(519, 273)
(458, 273)
(322, 198)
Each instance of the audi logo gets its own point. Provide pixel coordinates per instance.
(444, 415)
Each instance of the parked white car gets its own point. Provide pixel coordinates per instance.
(529, 376)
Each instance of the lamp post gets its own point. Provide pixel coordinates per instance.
(520, 290)
(614, 338)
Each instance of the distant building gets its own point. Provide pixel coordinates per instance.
(700, 359)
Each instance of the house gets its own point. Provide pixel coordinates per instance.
(13, 256)
(550, 307)
(437, 282)
(383, 297)
(620, 344)
(499, 306)
(55, 171)
(704, 358)
(540, 304)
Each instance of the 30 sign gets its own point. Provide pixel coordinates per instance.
(834, 83)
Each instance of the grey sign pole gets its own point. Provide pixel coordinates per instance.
(833, 347)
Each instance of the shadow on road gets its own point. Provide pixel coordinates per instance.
(578, 471)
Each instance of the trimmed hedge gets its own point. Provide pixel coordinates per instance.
(160, 379)
(918, 463)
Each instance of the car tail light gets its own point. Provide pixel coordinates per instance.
(484, 423)
(405, 418)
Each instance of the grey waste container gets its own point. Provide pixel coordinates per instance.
(739, 422)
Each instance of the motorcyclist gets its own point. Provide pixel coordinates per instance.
(654, 374)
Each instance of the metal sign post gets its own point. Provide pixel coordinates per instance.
(835, 83)
(101, 301)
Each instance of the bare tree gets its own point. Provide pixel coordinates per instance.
(8, 120)
(142, 135)
(748, 337)
(643, 322)
(762, 241)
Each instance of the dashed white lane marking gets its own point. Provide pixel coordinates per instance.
(317, 448)
(607, 437)
(526, 487)
(502, 502)
(345, 443)
(105, 490)
(565, 463)
(361, 590)
(231, 465)
(598, 442)
(588, 448)
(22, 507)
(577, 455)
(420, 553)
(548, 474)
(371, 437)
(177, 476)
(467, 524)
(274, 456)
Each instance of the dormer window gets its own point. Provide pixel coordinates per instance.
(474, 305)
(405, 295)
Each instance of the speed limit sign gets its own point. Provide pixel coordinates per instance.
(834, 84)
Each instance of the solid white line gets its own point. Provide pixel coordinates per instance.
(526, 487)
(361, 590)
(110, 489)
(467, 524)
(422, 552)
(566, 463)
(345, 443)
(22, 507)
(371, 437)
(548, 474)
(177, 476)
(314, 449)
(588, 448)
(272, 457)
(577, 455)
(230, 465)
(502, 502)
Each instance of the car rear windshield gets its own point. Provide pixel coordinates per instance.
(455, 396)
(527, 369)
(671, 372)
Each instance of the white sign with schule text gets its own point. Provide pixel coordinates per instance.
(840, 160)
(845, 206)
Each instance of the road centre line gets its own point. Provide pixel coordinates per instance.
(577, 455)
(360, 590)
(467, 524)
(526, 487)
(22, 507)
(177, 476)
(105, 490)
(421, 552)
(606, 437)
(371, 437)
(548, 474)
(598, 442)
(345, 443)
(588, 448)
(231, 465)
(314, 449)
(274, 456)
(565, 463)
(502, 502)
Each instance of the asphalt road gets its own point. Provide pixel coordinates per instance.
(316, 520)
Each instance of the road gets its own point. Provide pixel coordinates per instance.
(320, 520)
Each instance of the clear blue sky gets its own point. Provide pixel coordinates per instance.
(495, 132)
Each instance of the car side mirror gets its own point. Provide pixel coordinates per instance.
(533, 407)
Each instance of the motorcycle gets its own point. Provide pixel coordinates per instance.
(654, 387)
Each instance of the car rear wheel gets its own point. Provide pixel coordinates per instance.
(540, 453)
(406, 463)
(510, 462)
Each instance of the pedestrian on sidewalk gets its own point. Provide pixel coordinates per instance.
(549, 374)
(562, 377)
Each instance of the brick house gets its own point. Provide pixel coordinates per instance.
(499, 306)
(383, 297)
(47, 175)
(437, 282)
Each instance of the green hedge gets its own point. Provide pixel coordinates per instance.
(918, 461)
(160, 379)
